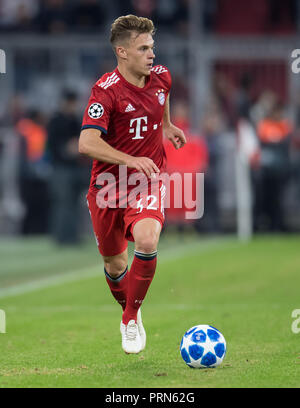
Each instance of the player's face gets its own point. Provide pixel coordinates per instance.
(140, 54)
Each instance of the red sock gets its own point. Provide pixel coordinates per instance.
(118, 287)
(140, 277)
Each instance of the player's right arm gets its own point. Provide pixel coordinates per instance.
(91, 144)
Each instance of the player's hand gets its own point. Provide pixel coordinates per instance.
(175, 135)
(143, 165)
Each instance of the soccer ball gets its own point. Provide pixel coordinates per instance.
(203, 346)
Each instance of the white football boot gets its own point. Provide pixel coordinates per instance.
(141, 328)
(131, 339)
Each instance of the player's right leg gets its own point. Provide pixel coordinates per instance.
(108, 227)
(112, 245)
(116, 273)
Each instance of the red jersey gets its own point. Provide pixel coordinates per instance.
(129, 117)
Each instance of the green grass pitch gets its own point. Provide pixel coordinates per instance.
(62, 324)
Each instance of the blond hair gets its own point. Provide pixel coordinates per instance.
(123, 26)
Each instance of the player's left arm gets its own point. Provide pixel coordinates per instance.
(173, 133)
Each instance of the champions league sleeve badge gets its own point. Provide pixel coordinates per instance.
(161, 96)
(96, 110)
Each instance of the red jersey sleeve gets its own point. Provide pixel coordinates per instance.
(98, 111)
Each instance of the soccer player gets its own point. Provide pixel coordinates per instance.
(123, 126)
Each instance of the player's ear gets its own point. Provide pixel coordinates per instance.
(121, 52)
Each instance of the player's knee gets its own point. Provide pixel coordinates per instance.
(146, 243)
(115, 268)
(146, 235)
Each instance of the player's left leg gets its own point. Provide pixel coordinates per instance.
(146, 234)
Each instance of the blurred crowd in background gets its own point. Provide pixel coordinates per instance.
(90, 16)
(53, 177)
(83, 16)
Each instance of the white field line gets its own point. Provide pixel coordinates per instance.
(164, 255)
(111, 308)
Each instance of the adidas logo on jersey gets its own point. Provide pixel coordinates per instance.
(111, 80)
(129, 108)
(159, 69)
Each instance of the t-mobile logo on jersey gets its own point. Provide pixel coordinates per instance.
(138, 128)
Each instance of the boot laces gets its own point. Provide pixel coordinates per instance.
(131, 331)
